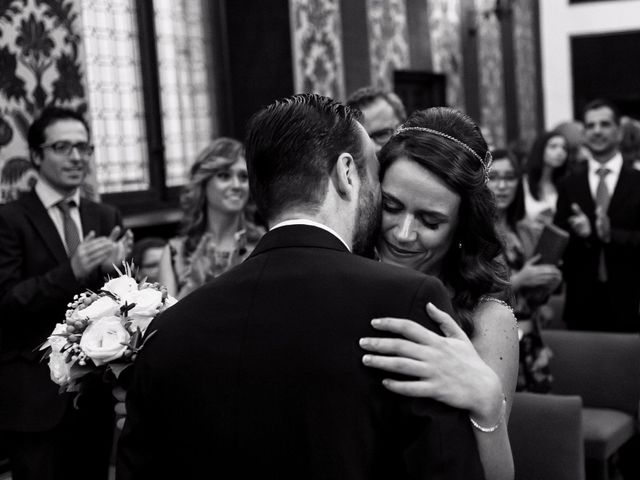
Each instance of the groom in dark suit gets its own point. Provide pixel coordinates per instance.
(53, 244)
(258, 374)
(600, 207)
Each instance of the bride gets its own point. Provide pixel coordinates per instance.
(438, 218)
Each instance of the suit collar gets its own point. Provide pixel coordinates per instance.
(42, 223)
(292, 236)
(624, 186)
(50, 197)
(313, 223)
(90, 216)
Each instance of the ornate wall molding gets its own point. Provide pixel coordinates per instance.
(490, 66)
(388, 40)
(525, 66)
(316, 34)
(446, 47)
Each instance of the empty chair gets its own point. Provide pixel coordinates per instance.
(604, 369)
(546, 437)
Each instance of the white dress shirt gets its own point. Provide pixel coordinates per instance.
(50, 199)
(611, 180)
(304, 221)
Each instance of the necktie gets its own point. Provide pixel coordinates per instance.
(71, 234)
(602, 200)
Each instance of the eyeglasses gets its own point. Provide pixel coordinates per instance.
(382, 136)
(65, 148)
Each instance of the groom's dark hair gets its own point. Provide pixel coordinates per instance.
(291, 147)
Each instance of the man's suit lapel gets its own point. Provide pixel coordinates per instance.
(583, 194)
(43, 224)
(623, 188)
(90, 217)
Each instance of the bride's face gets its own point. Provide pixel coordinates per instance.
(419, 217)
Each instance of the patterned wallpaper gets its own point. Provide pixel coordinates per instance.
(388, 40)
(40, 64)
(525, 59)
(317, 47)
(446, 47)
(492, 108)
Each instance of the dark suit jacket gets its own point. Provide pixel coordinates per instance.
(36, 283)
(622, 253)
(259, 375)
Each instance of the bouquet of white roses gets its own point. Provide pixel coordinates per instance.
(103, 331)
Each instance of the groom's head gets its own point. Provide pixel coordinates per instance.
(307, 150)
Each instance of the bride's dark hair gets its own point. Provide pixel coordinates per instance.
(472, 267)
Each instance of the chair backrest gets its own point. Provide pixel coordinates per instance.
(603, 368)
(546, 437)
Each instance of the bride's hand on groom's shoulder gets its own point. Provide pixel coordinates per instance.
(445, 368)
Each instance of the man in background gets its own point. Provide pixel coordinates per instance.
(600, 206)
(53, 245)
(382, 112)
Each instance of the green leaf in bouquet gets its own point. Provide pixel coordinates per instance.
(108, 293)
(46, 353)
(118, 368)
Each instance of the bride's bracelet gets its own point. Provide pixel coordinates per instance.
(503, 412)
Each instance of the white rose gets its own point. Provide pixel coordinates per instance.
(121, 287)
(59, 370)
(102, 340)
(104, 306)
(147, 302)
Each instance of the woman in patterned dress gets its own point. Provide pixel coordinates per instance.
(438, 218)
(217, 232)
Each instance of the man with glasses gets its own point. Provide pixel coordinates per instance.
(53, 245)
(382, 113)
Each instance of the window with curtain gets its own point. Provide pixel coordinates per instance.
(149, 89)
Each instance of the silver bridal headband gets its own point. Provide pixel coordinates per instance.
(486, 162)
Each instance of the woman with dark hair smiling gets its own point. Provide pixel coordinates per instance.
(546, 166)
(439, 218)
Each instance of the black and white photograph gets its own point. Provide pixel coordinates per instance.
(320, 239)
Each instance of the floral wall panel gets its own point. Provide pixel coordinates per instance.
(388, 40)
(40, 64)
(525, 67)
(317, 47)
(490, 65)
(446, 47)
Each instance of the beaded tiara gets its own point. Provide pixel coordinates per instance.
(486, 162)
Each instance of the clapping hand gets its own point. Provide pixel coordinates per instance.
(121, 247)
(446, 368)
(579, 222)
(603, 225)
(91, 252)
(532, 275)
